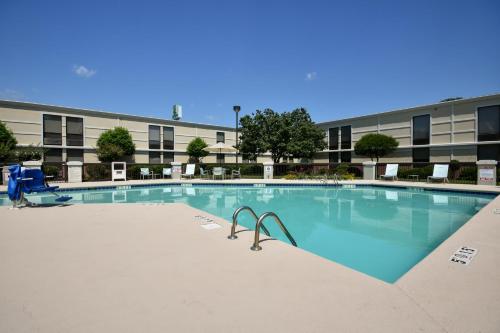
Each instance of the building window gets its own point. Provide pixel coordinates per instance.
(345, 156)
(74, 155)
(221, 137)
(488, 152)
(53, 155)
(333, 157)
(168, 138)
(168, 157)
(220, 158)
(345, 136)
(333, 138)
(488, 127)
(74, 131)
(154, 157)
(52, 130)
(154, 137)
(421, 130)
(420, 155)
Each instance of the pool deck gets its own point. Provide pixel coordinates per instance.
(153, 268)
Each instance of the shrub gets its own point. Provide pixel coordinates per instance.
(7, 143)
(195, 150)
(95, 172)
(375, 145)
(291, 176)
(109, 153)
(114, 144)
(30, 153)
(422, 172)
(342, 168)
(348, 176)
(51, 170)
(468, 173)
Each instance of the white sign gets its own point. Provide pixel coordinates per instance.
(486, 174)
(463, 255)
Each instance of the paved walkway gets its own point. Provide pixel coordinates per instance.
(153, 268)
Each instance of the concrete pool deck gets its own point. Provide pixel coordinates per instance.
(152, 267)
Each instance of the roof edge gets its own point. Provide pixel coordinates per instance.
(49, 107)
(457, 101)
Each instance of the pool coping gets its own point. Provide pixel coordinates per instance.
(108, 185)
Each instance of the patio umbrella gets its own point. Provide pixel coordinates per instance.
(221, 147)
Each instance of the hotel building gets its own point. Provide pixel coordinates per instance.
(465, 130)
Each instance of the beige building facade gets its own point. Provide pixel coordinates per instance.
(466, 130)
(70, 134)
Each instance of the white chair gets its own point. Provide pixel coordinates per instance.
(440, 172)
(189, 171)
(167, 172)
(236, 174)
(204, 173)
(218, 172)
(391, 172)
(145, 173)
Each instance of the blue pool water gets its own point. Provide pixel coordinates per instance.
(380, 231)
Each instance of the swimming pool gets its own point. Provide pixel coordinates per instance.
(380, 231)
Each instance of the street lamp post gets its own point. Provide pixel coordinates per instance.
(236, 110)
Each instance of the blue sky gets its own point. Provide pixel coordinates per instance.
(337, 59)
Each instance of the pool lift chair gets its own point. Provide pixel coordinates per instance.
(23, 181)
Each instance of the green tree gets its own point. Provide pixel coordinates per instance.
(282, 135)
(375, 145)
(114, 145)
(251, 144)
(7, 143)
(195, 149)
(305, 137)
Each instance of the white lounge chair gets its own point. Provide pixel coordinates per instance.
(440, 172)
(391, 172)
(167, 172)
(145, 173)
(189, 171)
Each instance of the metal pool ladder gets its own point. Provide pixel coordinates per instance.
(259, 224)
(256, 246)
(235, 221)
(335, 179)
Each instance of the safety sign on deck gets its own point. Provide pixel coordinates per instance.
(463, 255)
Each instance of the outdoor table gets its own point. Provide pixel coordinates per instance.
(414, 177)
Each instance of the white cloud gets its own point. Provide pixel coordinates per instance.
(11, 94)
(209, 117)
(311, 76)
(83, 71)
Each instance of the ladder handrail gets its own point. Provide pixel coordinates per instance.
(256, 246)
(235, 221)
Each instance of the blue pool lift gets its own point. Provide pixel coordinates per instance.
(23, 181)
